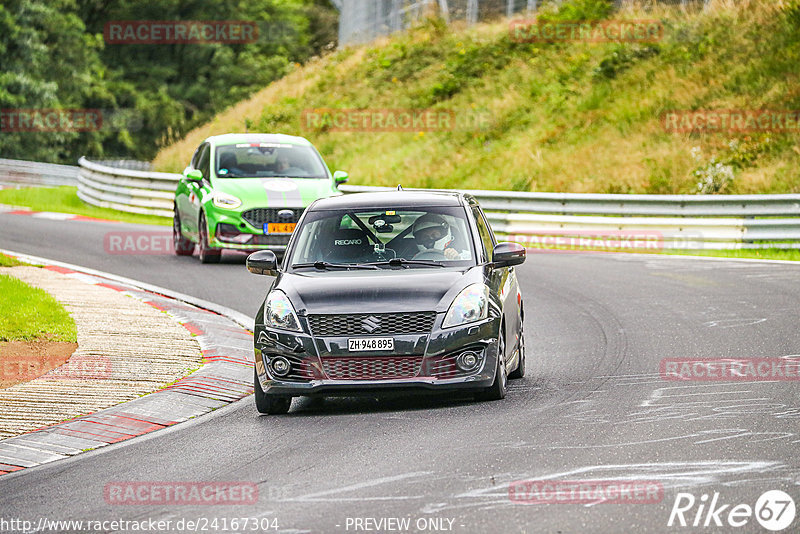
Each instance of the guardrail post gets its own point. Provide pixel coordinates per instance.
(472, 12)
(445, 9)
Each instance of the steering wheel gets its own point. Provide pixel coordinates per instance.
(430, 255)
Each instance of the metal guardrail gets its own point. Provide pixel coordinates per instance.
(361, 21)
(606, 221)
(542, 220)
(132, 164)
(146, 192)
(17, 172)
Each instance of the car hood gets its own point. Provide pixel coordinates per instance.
(387, 290)
(275, 192)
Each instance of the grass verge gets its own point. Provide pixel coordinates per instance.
(64, 199)
(8, 261)
(763, 254)
(28, 313)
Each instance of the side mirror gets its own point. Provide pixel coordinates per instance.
(340, 177)
(508, 254)
(194, 175)
(263, 262)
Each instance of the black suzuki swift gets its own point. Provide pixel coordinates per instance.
(390, 290)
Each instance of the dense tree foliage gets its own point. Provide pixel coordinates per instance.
(53, 55)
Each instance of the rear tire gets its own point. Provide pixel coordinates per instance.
(497, 390)
(207, 254)
(269, 404)
(182, 246)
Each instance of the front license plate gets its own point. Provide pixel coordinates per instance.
(370, 343)
(279, 228)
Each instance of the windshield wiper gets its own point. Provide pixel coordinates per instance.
(402, 262)
(324, 265)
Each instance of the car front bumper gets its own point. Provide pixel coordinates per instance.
(246, 236)
(314, 360)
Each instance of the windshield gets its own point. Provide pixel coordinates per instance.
(267, 160)
(422, 237)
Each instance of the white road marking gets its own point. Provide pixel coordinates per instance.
(53, 216)
(322, 495)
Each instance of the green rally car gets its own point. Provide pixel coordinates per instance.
(247, 192)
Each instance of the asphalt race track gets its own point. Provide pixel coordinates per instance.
(593, 407)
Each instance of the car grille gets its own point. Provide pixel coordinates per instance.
(372, 324)
(385, 368)
(258, 216)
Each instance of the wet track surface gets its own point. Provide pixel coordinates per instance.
(592, 407)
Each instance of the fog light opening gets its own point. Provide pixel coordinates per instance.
(228, 233)
(280, 366)
(468, 361)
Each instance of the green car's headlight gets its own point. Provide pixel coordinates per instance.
(226, 201)
(279, 312)
(471, 305)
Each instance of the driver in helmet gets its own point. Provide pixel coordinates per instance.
(432, 234)
(281, 163)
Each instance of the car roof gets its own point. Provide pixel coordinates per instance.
(236, 138)
(390, 199)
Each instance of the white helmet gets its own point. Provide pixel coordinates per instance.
(431, 231)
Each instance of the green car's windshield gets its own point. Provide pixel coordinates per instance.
(418, 237)
(268, 160)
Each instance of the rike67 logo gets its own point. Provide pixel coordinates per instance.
(774, 510)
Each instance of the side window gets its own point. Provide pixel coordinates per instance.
(487, 238)
(196, 156)
(204, 162)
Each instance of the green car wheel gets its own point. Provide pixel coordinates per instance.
(207, 254)
(183, 246)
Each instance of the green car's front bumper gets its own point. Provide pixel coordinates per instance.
(246, 229)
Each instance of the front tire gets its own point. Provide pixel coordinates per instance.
(207, 254)
(269, 404)
(519, 372)
(182, 246)
(497, 390)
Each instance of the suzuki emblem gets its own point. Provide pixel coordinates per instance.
(371, 324)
